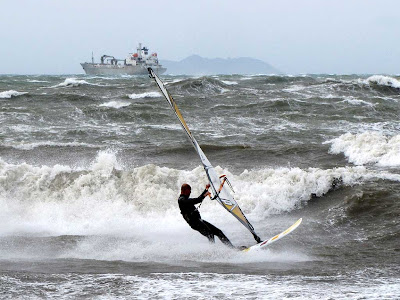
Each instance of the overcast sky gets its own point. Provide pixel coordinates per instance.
(297, 36)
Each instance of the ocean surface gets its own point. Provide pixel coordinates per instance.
(91, 169)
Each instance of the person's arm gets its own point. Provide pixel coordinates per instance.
(199, 199)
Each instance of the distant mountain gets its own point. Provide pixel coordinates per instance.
(197, 65)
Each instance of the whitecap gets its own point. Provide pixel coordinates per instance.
(104, 198)
(368, 148)
(36, 81)
(383, 81)
(145, 95)
(229, 82)
(72, 82)
(174, 81)
(294, 88)
(354, 101)
(10, 94)
(115, 104)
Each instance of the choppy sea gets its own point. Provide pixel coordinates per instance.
(90, 171)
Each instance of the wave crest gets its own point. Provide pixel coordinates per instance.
(103, 197)
(72, 82)
(145, 95)
(11, 94)
(367, 148)
(115, 104)
(383, 81)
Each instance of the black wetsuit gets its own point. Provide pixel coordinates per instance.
(193, 218)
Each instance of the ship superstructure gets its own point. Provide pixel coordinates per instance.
(134, 64)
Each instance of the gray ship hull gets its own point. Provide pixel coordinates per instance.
(105, 69)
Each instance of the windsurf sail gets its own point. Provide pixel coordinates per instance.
(218, 188)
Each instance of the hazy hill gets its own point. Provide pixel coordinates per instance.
(197, 65)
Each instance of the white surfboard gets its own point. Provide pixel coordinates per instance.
(275, 238)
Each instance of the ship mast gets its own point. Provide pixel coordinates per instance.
(139, 51)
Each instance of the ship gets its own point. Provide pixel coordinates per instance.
(134, 64)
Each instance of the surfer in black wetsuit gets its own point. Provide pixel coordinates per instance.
(193, 218)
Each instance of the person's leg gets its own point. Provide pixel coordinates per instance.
(216, 231)
(199, 226)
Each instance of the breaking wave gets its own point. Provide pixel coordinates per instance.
(103, 198)
(115, 104)
(72, 82)
(383, 81)
(368, 148)
(145, 95)
(11, 94)
(357, 102)
(36, 81)
(227, 82)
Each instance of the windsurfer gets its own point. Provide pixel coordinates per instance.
(192, 216)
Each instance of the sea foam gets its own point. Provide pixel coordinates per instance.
(72, 82)
(36, 81)
(353, 101)
(368, 148)
(145, 95)
(115, 104)
(104, 198)
(227, 82)
(382, 80)
(11, 94)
